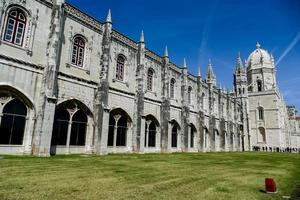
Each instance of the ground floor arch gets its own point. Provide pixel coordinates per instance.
(119, 125)
(175, 134)
(192, 136)
(16, 119)
(70, 126)
(151, 138)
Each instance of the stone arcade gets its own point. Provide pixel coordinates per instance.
(71, 84)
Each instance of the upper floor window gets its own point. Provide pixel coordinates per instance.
(150, 79)
(172, 87)
(259, 86)
(120, 68)
(78, 51)
(260, 113)
(15, 27)
(190, 95)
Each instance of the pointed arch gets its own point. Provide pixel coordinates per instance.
(174, 133)
(193, 132)
(151, 128)
(15, 110)
(70, 123)
(119, 123)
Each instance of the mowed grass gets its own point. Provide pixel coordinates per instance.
(150, 176)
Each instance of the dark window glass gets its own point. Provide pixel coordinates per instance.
(111, 128)
(13, 123)
(122, 131)
(78, 130)
(152, 135)
(174, 136)
(60, 127)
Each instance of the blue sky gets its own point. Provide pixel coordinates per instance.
(217, 29)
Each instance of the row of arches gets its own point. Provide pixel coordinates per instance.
(73, 125)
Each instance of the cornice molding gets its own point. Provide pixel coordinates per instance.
(123, 39)
(83, 18)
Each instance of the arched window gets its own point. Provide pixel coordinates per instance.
(259, 85)
(189, 95)
(150, 79)
(152, 135)
(118, 127)
(174, 136)
(78, 51)
(120, 68)
(122, 131)
(15, 27)
(60, 127)
(13, 123)
(172, 88)
(192, 136)
(78, 130)
(260, 113)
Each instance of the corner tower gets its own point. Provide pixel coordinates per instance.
(268, 128)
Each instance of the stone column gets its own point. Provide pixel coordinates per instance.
(69, 136)
(204, 140)
(89, 136)
(147, 133)
(116, 117)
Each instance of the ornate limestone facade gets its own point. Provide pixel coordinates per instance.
(71, 84)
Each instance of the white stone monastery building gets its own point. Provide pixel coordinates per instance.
(70, 84)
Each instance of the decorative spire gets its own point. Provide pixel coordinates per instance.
(257, 45)
(210, 73)
(166, 54)
(239, 64)
(184, 63)
(199, 71)
(108, 18)
(142, 38)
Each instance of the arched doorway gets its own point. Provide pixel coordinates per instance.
(70, 127)
(192, 136)
(151, 129)
(175, 134)
(119, 123)
(13, 122)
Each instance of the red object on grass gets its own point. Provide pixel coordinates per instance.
(270, 185)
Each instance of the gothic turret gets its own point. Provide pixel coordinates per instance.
(240, 78)
(210, 76)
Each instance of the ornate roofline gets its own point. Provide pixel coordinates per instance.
(82, 17)
(122, 38)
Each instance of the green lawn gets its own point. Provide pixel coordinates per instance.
(150, 176)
